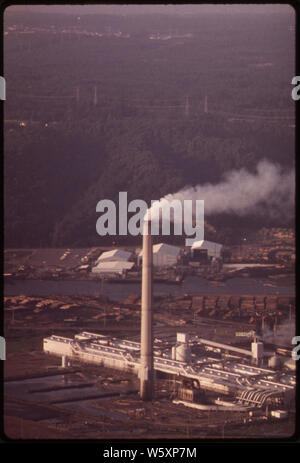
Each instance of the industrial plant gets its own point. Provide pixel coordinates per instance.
(149, 254)
(207, 375)
(168, 260)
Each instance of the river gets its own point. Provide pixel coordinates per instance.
(118, 292)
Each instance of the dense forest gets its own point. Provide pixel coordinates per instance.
(102, 104)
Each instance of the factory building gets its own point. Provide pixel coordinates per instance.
(206, 251)
(114, 255)
(235, 378)
(164, 255)
(236, 375)
(114, 262)
(112, 267)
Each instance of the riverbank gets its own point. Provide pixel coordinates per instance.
(118, 292)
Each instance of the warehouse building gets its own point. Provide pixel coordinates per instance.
(164, 255)
(114, 255)
(112, 267)
(234, 378)
(114, 262)
(212, 249)
(206, 251)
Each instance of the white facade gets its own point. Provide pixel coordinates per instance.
(213, 249)
(257, 349)
(225, 379)
(164, 255)
(183, 337)
(63, 347)
(114, 255)
(118, 267)
(279, 414)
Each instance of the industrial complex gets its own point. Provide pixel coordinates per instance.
(130, 355)
(207, 374)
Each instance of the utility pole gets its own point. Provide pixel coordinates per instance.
(95, 96)
(275, 325)
(77, 94)
(187, 106)
(205, 105)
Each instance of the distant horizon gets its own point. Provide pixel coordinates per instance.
(171, 9)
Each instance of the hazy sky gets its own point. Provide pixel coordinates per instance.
(163, 8)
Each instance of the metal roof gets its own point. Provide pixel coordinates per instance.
(212, 248)
(163, 248)
(114, 255)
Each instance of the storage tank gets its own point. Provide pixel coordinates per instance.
(182, 353)
(274, 362)
(173, 353)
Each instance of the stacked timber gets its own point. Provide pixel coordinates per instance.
(223, 302)
(197, 304)
(48, 304)
(185, 304)
(21, 301)
(247, 304)
(234, 302)
(133, 299)
(210, 302)
(271, 303)
(68, 306)
(284, 302)
(260, 303)
(228, 315)
(212, 312)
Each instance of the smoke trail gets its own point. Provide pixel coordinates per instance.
(283, 335)
(270, 192)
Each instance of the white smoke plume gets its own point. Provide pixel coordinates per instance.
(282, 335)
(270, 192)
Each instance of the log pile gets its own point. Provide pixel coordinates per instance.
(260, 303)
(197, 303)
(247, 307)
(223, 302)
(247, 304)
(210, 302)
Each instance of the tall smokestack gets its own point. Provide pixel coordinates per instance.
(146, 368)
